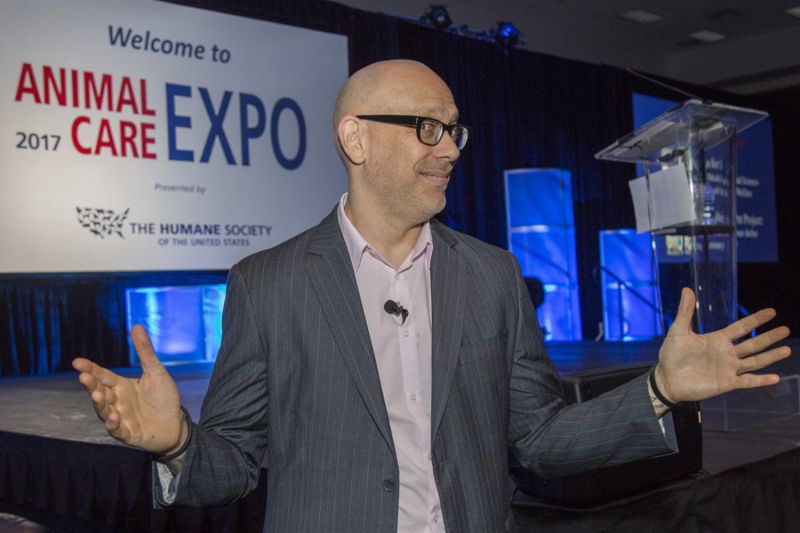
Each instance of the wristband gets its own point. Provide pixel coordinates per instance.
(177, 453)
(661, 398)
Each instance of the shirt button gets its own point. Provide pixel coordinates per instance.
(388, 485)
(436, 518)
(430, 458)
(405, 333)
(413, 397)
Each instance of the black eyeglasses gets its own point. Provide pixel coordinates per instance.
(429, 130)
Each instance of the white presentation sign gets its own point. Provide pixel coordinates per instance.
(140, 135)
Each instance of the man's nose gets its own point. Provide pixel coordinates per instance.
(447, 148)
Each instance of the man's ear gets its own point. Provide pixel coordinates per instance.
(351, 139)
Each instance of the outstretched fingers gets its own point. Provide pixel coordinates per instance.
(752, 381)
(683, 319)
(114, 398)
(112, 421)
(744, 326)
(763, 360)
(116, 428)
(103, 398)
(762, 341)
(144, 350)
(99, 374)
(99, 384)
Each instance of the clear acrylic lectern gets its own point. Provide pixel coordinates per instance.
(689, 199)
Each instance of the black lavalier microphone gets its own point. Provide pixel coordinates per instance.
(394, 308)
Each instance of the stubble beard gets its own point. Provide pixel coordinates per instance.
(411, 203)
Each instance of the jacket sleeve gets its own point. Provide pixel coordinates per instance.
(553, 439)
(222, 462)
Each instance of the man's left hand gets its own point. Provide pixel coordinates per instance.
(693, 367)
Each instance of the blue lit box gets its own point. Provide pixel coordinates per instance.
(630, 290)
(184, 323)
(541, 234)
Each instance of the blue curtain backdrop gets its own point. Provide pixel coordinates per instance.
(525, 110)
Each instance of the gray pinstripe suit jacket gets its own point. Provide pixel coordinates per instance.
(296, 378)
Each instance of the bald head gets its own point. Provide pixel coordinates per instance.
(397, 86)
(396, 182)
(383, 87)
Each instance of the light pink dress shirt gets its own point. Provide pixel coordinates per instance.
(403, 356)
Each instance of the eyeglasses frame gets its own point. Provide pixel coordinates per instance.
(414, 121)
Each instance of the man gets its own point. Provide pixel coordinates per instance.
(385, 364)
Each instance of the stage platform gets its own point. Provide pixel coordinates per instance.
(59, 468)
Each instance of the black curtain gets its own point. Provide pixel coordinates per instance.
(525, 110)
(48, 320)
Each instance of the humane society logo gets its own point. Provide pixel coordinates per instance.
(102, 222)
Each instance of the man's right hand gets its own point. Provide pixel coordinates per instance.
(144, 412)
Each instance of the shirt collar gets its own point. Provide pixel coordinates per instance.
(357, 246)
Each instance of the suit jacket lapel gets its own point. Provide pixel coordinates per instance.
(334, 282)
(448, 290)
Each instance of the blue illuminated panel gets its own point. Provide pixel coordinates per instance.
(629, 285)
(541, 234)
(184, 323)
